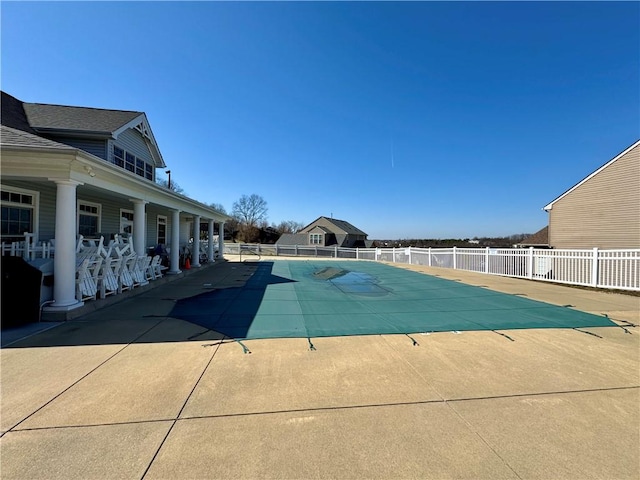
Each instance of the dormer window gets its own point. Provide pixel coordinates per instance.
(131, 163)
(315, 238)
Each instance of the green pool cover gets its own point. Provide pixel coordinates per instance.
(319, 298)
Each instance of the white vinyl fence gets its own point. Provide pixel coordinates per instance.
(616, 269)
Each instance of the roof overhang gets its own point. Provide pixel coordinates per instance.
(549, 206)
(32, 163)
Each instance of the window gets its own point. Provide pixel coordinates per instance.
(162, 230)
(131, 163)
(18, 212)
(118, 157)
(88, 219)
(315, 238)
(126, 221)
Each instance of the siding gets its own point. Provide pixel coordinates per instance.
(46, 208)
(94, 147)
(132, 142)
(603, 212)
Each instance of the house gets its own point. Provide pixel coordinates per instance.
(325, 232)
(69, 171)
(603, 209)
(540, 239)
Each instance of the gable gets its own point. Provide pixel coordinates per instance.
(627, 151)
(335, 226)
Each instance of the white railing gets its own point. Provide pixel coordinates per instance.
(615, 269)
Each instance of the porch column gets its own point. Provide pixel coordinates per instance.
(210, 244)
(64, 260)
(195, 255)
(221, 241)
(175, 243)
(139, 230)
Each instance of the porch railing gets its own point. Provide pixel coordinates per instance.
(612, 269)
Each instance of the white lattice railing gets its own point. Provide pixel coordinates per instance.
(616, 269)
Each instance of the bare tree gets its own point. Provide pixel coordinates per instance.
(219, 207)
(289, 226)
(163, 182)
(249, 210)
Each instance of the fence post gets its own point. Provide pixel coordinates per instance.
(336, 250)
(454, 258)
(486, 259)
(594, 268)
(316, 249)
(429, 256)
(410, 262)
(530, 264)
(276, 245)
(357, 253)
(296, 250)
(393, 255)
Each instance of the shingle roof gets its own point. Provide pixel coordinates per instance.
(335, 226)
(12, 137)
(541, 237)
(12, 114)
(60, 117)
(292, 239)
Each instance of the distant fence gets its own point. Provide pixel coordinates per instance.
(616, 269)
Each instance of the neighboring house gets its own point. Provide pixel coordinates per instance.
(325, 232)
(602, 210)
(540, 239)
(70, 171)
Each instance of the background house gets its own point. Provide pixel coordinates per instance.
(603, 209)
(540, 239)
(70, 171)
(325, 232)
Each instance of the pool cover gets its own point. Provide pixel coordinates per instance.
(321, 298)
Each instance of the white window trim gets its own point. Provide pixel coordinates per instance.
(320, 237)
(90, 204)
(35, 206)
(166, 228)
(122, 222)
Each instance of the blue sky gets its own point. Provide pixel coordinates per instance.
(407, 119)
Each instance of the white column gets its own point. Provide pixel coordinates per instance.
(64, 261)
(221, 240)
(195, 255)
(175, 243)
(210, 244)
(139, 227)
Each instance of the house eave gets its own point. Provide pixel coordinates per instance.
(549, 206)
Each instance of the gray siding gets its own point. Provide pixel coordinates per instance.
(603, 212)
(132, 142)
(94, 147)
(47, 206)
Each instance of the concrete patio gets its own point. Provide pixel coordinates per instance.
(127, 391)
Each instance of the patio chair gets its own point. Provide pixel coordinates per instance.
(125, 278)
(157, 267)
(109, 282)
(87, 278)
(139, 269)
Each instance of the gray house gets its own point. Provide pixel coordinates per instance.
(603, 209)
(325, 232)
(69, 171)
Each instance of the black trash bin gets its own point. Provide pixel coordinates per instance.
(21, 285)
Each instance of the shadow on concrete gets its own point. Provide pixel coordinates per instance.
(208, 304)
(229, 311)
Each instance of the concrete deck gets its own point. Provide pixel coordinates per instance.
(125, 391)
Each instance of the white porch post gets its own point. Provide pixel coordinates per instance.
(221, 241)
(210, 244)
(175, 243)
(64, 261)
(195, 255)
(139, 230)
